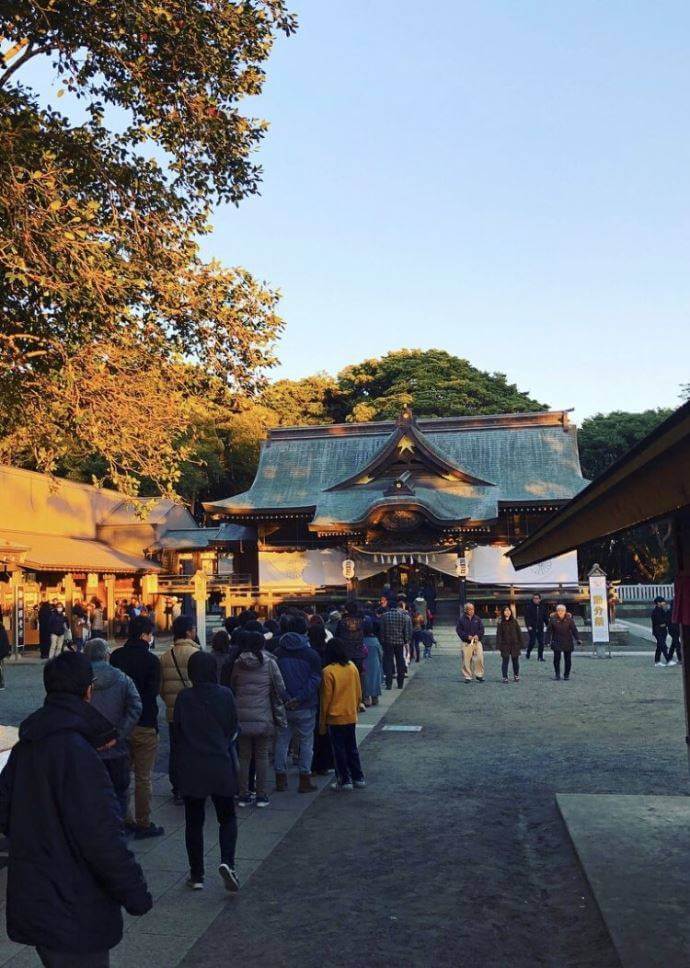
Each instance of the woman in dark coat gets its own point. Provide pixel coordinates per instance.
(206, 724)
(509, 642)
(322, 760)
(561, 635)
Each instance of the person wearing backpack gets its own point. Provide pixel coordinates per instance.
(175, 678)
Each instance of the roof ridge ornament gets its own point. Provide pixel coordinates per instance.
(406, 418)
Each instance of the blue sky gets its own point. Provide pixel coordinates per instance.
(508, 181)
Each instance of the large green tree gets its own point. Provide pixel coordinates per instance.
(607, 436)
(434, 383)
(101, 277)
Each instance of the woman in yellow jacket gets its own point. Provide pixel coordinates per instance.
(174, 679)
(341, 694)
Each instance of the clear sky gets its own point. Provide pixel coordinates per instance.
(509, 181)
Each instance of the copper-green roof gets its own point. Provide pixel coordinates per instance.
(524, 458)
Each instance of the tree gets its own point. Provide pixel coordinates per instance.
(606, 437)
(643, 553)
(434, 383)
(100, 270)
(311, 400)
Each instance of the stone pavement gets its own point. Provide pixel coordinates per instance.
(180, 916)
(635, 851)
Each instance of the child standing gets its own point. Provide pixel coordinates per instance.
(422, 637)
(341, 695)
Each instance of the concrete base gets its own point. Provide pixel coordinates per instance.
(635, 851)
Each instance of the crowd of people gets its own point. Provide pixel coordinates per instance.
(264, 694)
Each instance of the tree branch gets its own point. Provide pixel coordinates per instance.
(20, 61)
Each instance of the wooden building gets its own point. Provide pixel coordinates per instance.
(409, 501)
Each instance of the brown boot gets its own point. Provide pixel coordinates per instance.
(281, 782)
(305, 784)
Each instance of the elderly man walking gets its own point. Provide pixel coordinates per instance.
(561, 635)
(470, 629)
(395, 632)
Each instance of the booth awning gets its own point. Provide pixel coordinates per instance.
(51, 552)
(650, 482)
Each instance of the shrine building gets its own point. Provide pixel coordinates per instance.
(412, 501)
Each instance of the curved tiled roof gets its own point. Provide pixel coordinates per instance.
(529, 458)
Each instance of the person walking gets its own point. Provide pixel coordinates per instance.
(45, 611)
(536, 617)
(174, 679)
(470, 630)
(58, 626)
(341, 695)
(300, 667)
(660, 631)
(509, 642)
(561, 635)
(373, 669)
(206, 725)
(115, 696)
(5, 650)
(674, 632)
(259, 690)
(395, 633)
(70, 872)
(136, 660)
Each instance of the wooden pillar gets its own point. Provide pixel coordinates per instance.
(681, 529)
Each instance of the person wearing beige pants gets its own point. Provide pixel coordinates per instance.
(473, 660)
(470, 630)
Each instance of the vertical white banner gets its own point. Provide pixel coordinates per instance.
(598, 604)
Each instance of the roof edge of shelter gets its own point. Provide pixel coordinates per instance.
(496, 421)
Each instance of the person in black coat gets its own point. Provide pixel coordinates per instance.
(70, 871)
(5, 650)
(45, 610)
(660, 630)
(206, 721)
(138, 662)
(536, 617)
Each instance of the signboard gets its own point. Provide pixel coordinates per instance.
(598, 604)
(19, 616)
(461, 568)
(348, 569)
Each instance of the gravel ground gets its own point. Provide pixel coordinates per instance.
(455, 853)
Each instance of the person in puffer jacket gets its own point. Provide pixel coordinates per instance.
(300, 667)
(259, 695)
(115, 696)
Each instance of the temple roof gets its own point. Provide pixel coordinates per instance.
(454, 469)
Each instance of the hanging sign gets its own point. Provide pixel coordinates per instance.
(19, 616)
(598, 604)
(348, 569)
(461, 567)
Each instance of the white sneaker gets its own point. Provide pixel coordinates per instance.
(672, 662)
(660, 665)
(229, 878)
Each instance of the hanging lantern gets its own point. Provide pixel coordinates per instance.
(395, 560)
(426, 560)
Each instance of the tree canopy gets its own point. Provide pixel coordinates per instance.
(606, 437)
(101, 277)
(433, 382)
